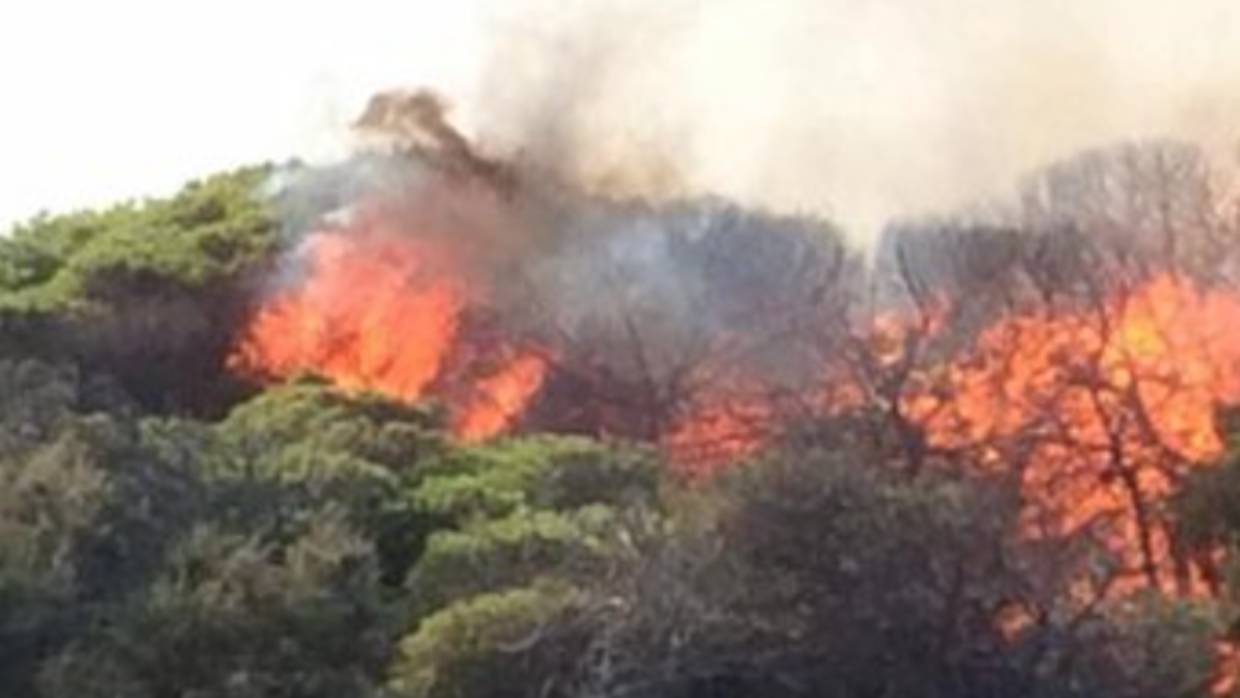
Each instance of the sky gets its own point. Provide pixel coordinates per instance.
(105, 101)
(858, 109)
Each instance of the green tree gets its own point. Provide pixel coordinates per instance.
(815, 574)
(148, 294)
(504, 589)
(240, 615)
(508, 643)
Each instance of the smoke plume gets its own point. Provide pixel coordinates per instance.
(520, 296)
(865, 111)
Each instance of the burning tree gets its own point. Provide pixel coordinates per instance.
(1068, 346)
(1083, 361)
(972, 469)
(704, 314)
(538, 306)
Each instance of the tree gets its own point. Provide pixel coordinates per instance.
(1157, 203)
(532, 523)
(147, 294)
(679, 307)
(157, 556)
(818, 576)
(511, 643)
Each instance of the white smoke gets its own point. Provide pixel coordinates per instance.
(859, 109)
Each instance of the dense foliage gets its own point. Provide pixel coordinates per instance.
(147, 293)
(167, 532)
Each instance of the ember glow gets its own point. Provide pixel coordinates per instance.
(712, 436)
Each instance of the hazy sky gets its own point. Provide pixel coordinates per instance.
(861, 109)
(108, 100)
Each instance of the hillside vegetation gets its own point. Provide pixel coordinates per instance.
(170, 531)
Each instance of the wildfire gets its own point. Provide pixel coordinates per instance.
(370, 314)
(500, 398)
(1098, 408)
(716, 434)
(1102, 410)
(380, 310)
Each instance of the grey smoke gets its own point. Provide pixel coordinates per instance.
(862, 110)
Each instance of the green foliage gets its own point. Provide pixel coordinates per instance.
(305, 421)
(512, 551)
(48, 500)
(493, 594)
(281, 550)
(38, 399)
(132, 562)
(1206, 505)
(520, 507)
(543, 472)
(361, 453)
(501, 644)
(237, 615)
(165, 532)
(209, 232)
(811, 575)
(1160, 646)
(33, 253)
(1208, 520)
(148, 294)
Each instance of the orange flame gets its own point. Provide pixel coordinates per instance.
(378, 310)
(371, 314)
(716, 434)
(1103, 410)
(500, 398)
(1099, 410)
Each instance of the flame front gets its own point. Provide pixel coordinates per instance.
(499, 399)
(371, 314)
(1153, 363)
(1100, 411)
(377, 310)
